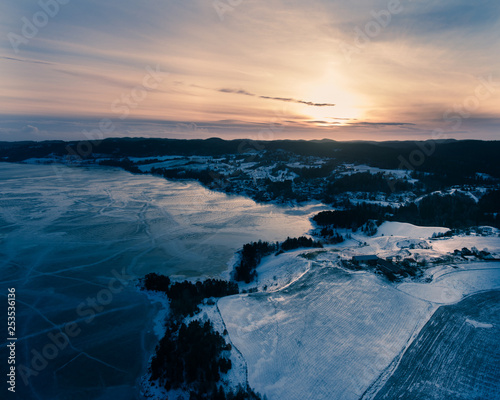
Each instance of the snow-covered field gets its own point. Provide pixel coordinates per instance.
(454, 285)
(326, 336)
(322, 332)
(455, 356)
(360, 168)
(409, 231)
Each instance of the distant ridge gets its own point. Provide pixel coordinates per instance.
(448, 156)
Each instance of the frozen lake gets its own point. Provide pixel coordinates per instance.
(72, 243)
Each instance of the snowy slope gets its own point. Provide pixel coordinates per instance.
(327, 336)
(323, 332)
(490, 243)
(406, 230)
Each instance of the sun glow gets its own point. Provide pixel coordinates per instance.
(329, 89)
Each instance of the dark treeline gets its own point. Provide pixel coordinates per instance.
(279, 190)
(490, 202)
(297, 243)
(252, 253)
(185, 297)
(367, 182)
(125, 164)
(352, 218)
(430, 182)
(156, 282)
(192, 357)
(453, 211)
(451, 160)
(187, 354)
(331, 235)
(205, 176)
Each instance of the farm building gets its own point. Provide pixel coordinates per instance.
(371, 259)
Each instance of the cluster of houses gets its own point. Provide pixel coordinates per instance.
(403, 265)
(474, 254)
(394, 268)
(391, 262)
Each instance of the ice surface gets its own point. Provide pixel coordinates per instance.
(65, 232)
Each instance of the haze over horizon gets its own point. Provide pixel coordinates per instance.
(370, 70)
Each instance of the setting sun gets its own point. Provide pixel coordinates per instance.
(329, 89)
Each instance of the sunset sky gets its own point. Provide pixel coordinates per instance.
(336, 69)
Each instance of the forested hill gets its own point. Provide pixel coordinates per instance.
(448, 157)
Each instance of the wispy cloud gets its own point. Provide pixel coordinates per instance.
(285, 99)
(24, 60)
(247, 93)
(382, 124)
